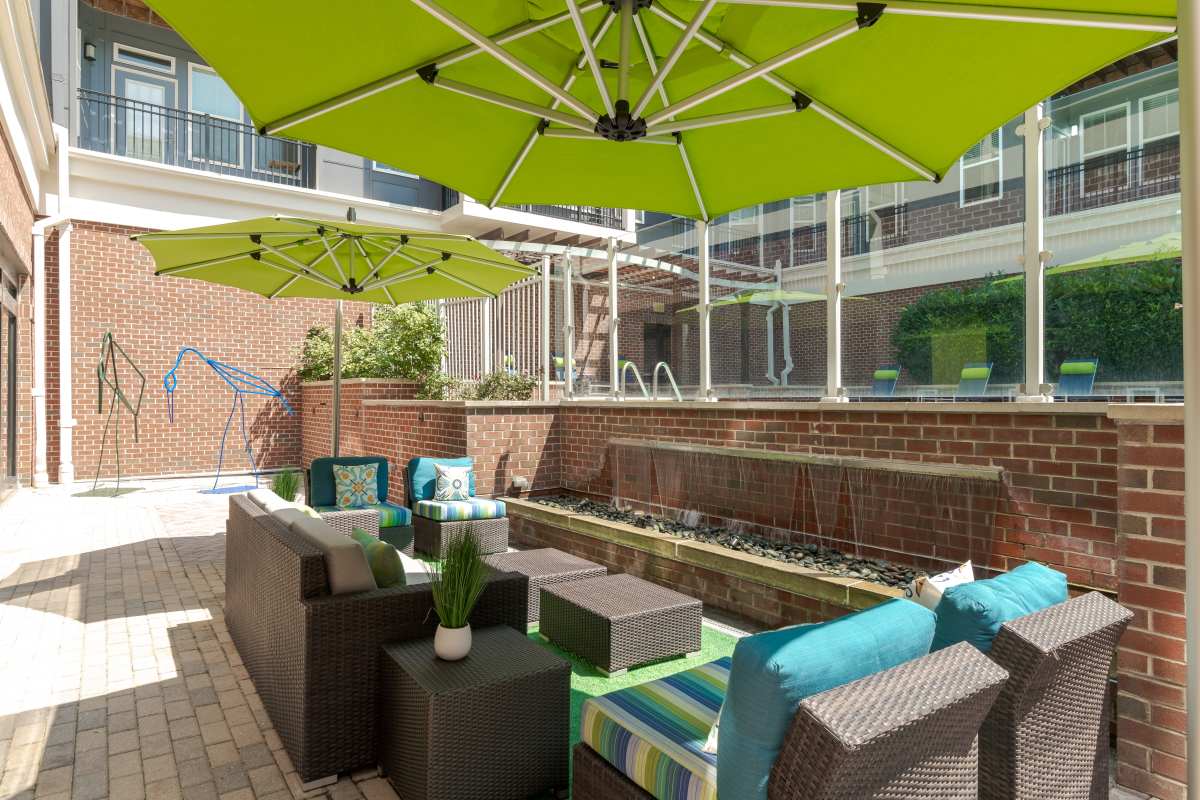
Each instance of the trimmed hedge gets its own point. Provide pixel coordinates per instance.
(1124, 315)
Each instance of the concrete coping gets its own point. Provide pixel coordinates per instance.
(360, 381)
(1146, 412)
(964, 471)
(845, 592)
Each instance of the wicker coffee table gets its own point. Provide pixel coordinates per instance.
(494, 725)
(620, 621)
(544, 567)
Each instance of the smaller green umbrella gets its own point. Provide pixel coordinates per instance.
(294, 257)
(760, 297)
(1167, 246)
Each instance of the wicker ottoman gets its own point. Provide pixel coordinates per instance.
(494, 725)
(544, 567)
(432, 536)
(619, 621)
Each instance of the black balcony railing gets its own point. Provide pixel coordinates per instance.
(1113, 178)
(592, 215)
(124, 127)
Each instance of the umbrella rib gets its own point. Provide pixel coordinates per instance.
(652, 62)
(302, 268)
(567, 83)
(756, 71)
(400, 277)
(689, 32)
(382, 262)
(212, 262)
(329, 251)
(283, 288)
(511, 103)
(391, 299)
(741, 59)
(514, 267)
(404, 76)
(722, 119)
(467, 283)
(504, 57)
(589, 55)
(315, 277)
(987, 13)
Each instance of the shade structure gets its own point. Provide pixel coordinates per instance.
(764, 297)
(293, 257)
(1162, 248)
(690, 107)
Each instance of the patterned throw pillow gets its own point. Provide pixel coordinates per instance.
(453, 483)
(357, 485)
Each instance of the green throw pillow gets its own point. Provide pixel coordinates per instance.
(383, 559)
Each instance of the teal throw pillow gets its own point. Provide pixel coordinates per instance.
(974, 612)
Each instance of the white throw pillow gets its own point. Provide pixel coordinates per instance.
(453, 483)
(928, 591)
(710, 745)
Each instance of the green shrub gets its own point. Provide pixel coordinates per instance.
(503, 386)
(440, 386)
(286, 484)
(1123, 315)
(404, 342)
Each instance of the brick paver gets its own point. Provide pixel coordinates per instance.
(118, 679)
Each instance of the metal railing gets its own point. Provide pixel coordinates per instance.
(591, 215)
(124, 127)
(1114, 178)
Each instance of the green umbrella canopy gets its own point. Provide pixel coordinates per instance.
(761, 99)
(1167, 246)
(291, 257)
(762, 297)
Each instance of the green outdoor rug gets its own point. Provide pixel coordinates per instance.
(587, 682)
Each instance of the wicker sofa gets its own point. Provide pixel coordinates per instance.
(910, 731)
(313, 656)
(392, 522)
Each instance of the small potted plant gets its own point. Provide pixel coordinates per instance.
(285, 484)
(456, 584)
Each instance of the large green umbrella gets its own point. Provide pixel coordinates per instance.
(1161, 248)
(293, 257)
(692, 107)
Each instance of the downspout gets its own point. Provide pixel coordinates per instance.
(41, 476)
(771, 344)
(787, 344)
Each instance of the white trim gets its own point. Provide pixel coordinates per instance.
(377, 166)
(998, 160)
(117, 47)
(25, 119)
(1142, 117)
(1083, 154)
(192, 69)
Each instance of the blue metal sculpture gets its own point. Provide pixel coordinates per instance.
(242, 383)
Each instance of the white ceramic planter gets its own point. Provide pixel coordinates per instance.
(452, 644)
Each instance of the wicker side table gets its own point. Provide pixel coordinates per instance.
(544, 567)
(620, 621)
(494, 725)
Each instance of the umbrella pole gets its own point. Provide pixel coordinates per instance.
(337, 380)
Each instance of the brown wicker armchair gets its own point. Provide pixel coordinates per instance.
(906, 732)
(313, 657)
(1047, 736)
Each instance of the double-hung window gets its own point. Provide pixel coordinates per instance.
(981, 170)
(215, 129)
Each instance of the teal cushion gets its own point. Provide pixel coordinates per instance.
(422, 475)
(382, 558)
(772, 672)
(392, 515)
(321, 478)
(459, 510)
(974, 612)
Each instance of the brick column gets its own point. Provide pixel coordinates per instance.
(1151, 719)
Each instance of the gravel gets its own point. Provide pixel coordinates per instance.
(826, 559)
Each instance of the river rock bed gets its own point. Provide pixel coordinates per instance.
(826, 559)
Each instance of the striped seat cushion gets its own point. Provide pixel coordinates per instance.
(461, 510)
(390, 515)
(654, 733)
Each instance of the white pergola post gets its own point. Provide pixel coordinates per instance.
(568, 355)
(443, 318)
(487, 349)
(1034, 258)
(834, 287)
(335, 450)
(544, 329)
(614, 322)
(705, 307)
(1189, 190)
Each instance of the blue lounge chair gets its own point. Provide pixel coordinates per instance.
(1077, 377)
(973, 380)
(885, 380)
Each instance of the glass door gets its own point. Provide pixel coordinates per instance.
(8, 389)
(144, 117)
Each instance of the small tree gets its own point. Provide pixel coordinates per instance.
(404, 342)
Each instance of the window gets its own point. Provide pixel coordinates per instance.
(1105, 131)
(884, 196)
(804, 211)
(379, 166)
(218, 139)
(981, 170)
(136, 57)
(1160, 116)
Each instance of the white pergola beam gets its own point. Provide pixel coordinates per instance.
(589, 55)
(690, 30)
(755, 71)
(404, 76)
(506, 58)
(513, 103)
(985, 13)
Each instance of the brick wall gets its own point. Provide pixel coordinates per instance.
(511, 441)
(114, 289)
(1151, 717)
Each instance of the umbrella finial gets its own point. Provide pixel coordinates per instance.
(351, 214)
